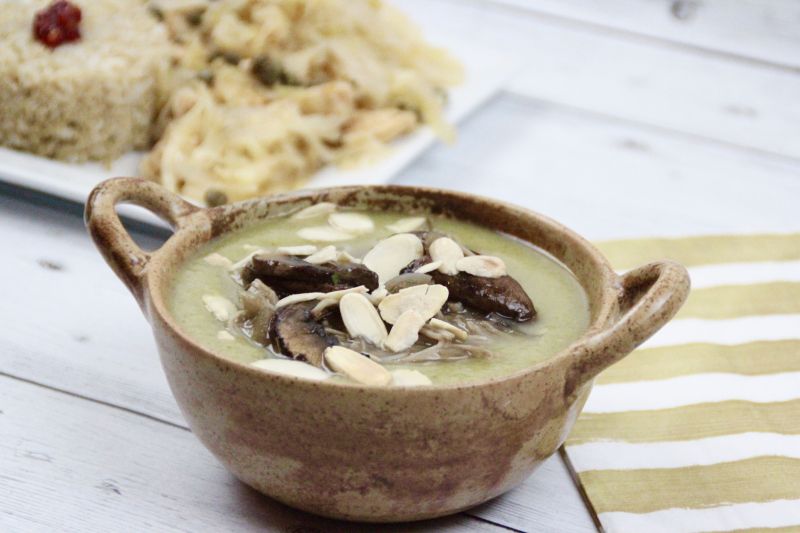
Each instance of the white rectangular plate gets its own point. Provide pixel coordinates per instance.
(486, 72)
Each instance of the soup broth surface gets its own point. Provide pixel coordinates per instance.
(561, 304)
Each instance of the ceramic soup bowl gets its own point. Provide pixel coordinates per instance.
(369, 453)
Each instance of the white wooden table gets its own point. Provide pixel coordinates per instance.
(628, 118)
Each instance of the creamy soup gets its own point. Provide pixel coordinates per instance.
(378, 298)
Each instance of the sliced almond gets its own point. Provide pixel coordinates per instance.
(356, 366)
(429, 267)
(405, 331)
(323, 304)
(485, 266)
(437, 334)
(459, 333)
(344, 257)
(288, 367)
(324, 234)
(351, 222)
(378, 295)
(361, 319)
(338, 295)
(403, 377)
(447, 251)
(325, 255)
(219, 306)
(246, 259)
(225, 335)
(252, 247)
(322, 208)
(218, 260)
(390, 255)
(427, 300)
(297, 298)
(302, 250)
(406, 225)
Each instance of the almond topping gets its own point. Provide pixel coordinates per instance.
(351, 222)
(322, 208)
(222, 308)
(288, 367)
(406, 225)
(297, 298)
(485, 266)
(459, 333)
(403, 377)
(219, 260)
(427, 300)
(405, 331)
(428, 267)
(326, 255)
(361, 319)
(390, 255)
(447, 251)
(356, 366)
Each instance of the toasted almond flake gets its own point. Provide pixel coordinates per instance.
(344, 257)
(246, 259)
(356, 366)
(429, 267)
(324, 234)
(288, 367)
(403, 377)
(459, 333)
(316, 210)
(361, 319)
(377, 295)
(297, 298)
(325, 255)
(390, 255)
(337, 295)
(218, 260)
(427, 300)
(301, 250)
(351, 222)
(225, 335)
(219, 306)
(323, 304)
(406, 225)
(447, 251)
(485, 266)
(405, 331)
(437, 334)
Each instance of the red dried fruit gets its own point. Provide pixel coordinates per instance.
(57, 24)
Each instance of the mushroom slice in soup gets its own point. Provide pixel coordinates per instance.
(291, 275)
(296, 333)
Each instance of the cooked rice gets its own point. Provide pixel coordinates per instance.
(95, 98)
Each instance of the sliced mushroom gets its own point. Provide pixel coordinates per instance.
(295, 333)
(503, 295)
(291, 275)
(258, 303)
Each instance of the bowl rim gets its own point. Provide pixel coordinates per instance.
(218, 221)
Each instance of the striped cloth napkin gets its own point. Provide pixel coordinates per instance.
(699, 429)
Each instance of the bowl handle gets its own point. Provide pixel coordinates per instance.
(124, 256)
(649, 297)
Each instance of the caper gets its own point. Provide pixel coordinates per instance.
(215, 197)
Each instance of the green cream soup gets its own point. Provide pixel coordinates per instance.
(206, 298)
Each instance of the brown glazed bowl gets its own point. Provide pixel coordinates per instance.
(367, 453)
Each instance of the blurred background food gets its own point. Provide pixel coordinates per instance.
(237, 98)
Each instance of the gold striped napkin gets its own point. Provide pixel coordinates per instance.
(699, 429)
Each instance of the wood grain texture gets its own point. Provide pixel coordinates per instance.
(757, 30)
(71, 464)
(673, 89)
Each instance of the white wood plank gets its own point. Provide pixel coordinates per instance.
(763, 30)
(68, 464)
(726, 100)
(609, 179)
